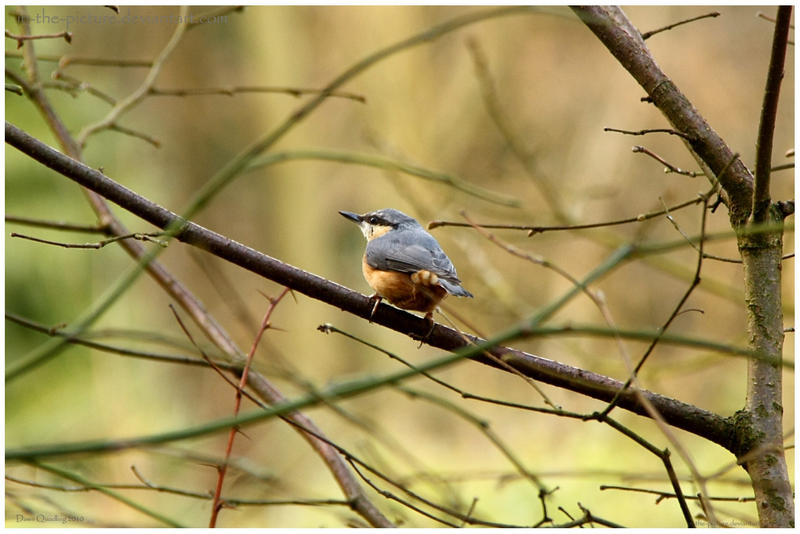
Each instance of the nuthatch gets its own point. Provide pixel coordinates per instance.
(404, 264)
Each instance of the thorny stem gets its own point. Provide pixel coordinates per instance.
(217, 503)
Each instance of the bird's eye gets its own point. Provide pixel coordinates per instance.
(373, 220)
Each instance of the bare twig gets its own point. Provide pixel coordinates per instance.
(133, 133)
(213, 365)
(56, 225)
(114, 495)
(20, 39)
(100, 244)
(663, 455)
(669, 167)
(73, 87)
(667, 495)
(773, 20)
(147, 484)
(766, 17)
(782, 167)
(167, 358)
(649, 131)
(484, 427)
(541, 229)
(588, 518)
(65, 60)
(233, 90)
(647, 35)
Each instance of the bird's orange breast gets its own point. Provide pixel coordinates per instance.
(417, 292)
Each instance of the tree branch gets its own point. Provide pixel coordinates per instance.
(769, 110)
(679, 414)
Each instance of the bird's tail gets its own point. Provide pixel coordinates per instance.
(454, 288)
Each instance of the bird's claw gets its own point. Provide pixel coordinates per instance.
(377, 298)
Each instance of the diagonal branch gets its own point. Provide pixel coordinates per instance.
(681, 415)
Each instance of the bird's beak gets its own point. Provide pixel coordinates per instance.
(352, 216)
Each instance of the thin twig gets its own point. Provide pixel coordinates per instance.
(483, 427)
(668, 166)
(667, 495)
(233, 90)
(73, 88)
(114, 495)
(167, 358)
(65, 60)
(79, 85)
(663, 455)
(100, 244)
(389, 495)
(20, 39)
(588, 519)
(541, 229)
(764, 16)
(647, 35)
(56, 225)
(772, 20)
(133, 133)
(649, 131)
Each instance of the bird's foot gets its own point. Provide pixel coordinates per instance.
(432, 323)
(377, 298)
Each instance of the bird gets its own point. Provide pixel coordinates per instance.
(404, 264)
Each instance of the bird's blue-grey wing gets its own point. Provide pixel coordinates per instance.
(409, 253)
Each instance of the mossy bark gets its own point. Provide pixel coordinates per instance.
(764, 458)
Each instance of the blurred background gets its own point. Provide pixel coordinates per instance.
(532, 113)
